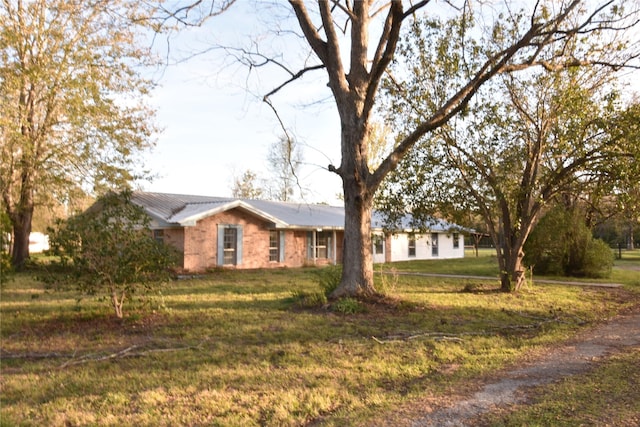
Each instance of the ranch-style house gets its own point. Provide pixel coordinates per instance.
(213, 232)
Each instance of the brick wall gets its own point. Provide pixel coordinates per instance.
(175, 238)
(199, 244)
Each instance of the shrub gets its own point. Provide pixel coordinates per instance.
(347, 306)
(309, 299)
(547, 248)
(6, 269)
(329, 278)
(110, 250)
(598, 259)
(562, 244)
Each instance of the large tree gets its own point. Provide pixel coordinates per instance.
(355, 41)
(71, 110)
(521, 144)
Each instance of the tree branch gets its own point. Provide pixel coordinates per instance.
(318, 45)
(384, 52)
(495, 64)
(181, 14)
(294, 77)
(127, 352)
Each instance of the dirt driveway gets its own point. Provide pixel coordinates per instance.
(510, 387)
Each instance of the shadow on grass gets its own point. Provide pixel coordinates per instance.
(235, 323)
(243, 341)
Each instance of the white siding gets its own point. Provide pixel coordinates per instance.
(378, 257)
(446, 249)
(400, 247)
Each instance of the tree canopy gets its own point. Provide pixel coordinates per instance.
(522, 141)
(72, 116)
(247, 186)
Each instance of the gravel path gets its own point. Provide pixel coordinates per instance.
(569, 359)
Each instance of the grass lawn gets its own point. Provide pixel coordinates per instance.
(233, 349)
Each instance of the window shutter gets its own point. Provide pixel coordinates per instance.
(220, 248)
(309, 245)
(239, 245)
(281, 248)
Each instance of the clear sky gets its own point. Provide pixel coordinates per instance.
(215, 128)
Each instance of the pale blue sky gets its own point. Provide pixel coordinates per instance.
(214, 128)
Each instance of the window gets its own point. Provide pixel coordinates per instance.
(378, 245)
(412, 245)
(230, 246)
(321, 246)
(274, 245)
(456, 240)
(434, 244)
(158, 235)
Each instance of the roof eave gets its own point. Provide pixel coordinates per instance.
(312, 227)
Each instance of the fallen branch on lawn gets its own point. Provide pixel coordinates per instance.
(134, 350)
(127, 352)
(92, 358)
(437, 336)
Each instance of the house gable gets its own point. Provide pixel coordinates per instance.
(204, 241)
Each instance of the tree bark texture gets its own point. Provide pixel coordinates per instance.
(357, 271)
(21, 215)
(512, 278)
(21, 232)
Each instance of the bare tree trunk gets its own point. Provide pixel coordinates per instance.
(21, 231)
(357, 270)
(21, 213)
(511, 252)
(512, 277)
(476, 242)
(357, 260)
